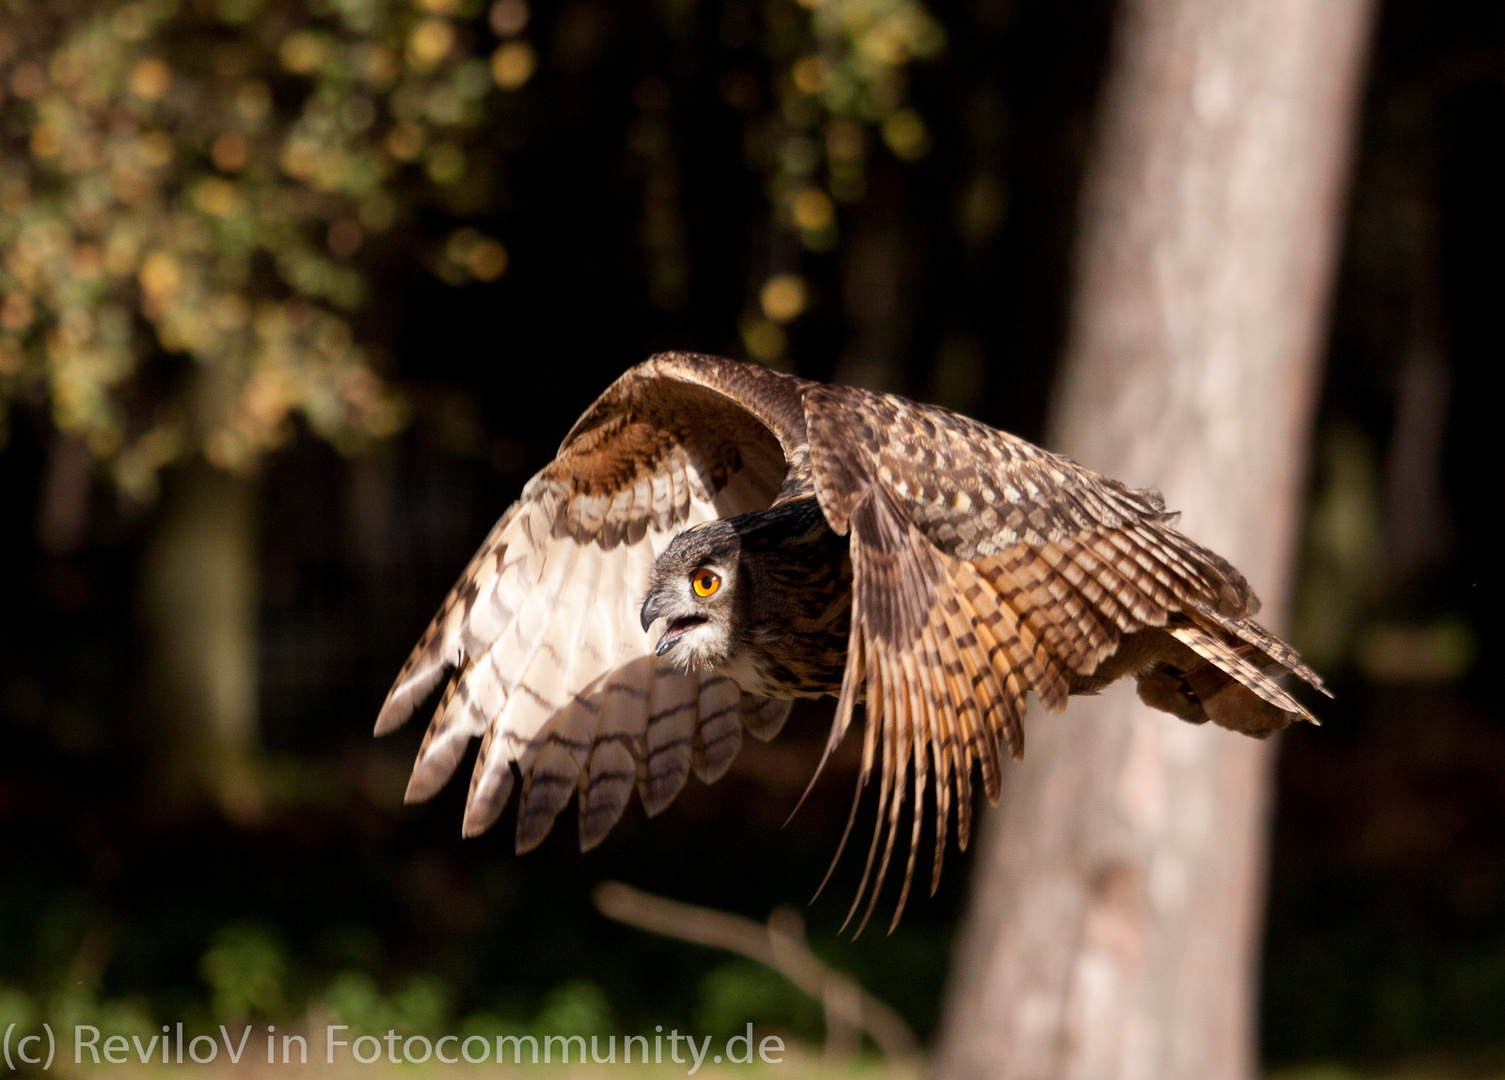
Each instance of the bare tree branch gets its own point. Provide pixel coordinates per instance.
(780, 944)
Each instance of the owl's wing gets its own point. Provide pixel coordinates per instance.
(984, 567)
(540, 638)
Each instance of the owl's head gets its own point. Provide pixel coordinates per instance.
(694, 589)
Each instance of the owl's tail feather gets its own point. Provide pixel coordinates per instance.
(1225, 671)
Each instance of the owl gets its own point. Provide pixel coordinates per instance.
(715, 539)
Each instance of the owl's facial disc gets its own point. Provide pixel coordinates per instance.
(691, 591)
(676, 630)
(687, 603)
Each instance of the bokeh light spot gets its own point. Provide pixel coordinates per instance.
(130, 22)
(489, 260)
(230, 152)
(509, 17)
(305, 52)
(156, 149)
(160, 275)
(217, 197)
(513, 64)
(404, 141)
(16, 312)
(764, 340)
(446, 163)
(150, 79)
(430, 42)
(783, 297)
(253, 101)
(809, 74)
(813, 210)
(905, 134)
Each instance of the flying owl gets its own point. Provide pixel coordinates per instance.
(793, 539)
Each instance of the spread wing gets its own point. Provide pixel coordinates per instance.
(984, 567)
(539, 638)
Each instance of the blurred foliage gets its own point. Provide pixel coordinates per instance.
(579, 1007)
(246, 965)
(211, 179)
(1343, 564)
(16, 1008)
(245, 969)
(740, 992)
(843, 69)
(421, 1006)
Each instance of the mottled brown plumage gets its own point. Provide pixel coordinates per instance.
(861, 545)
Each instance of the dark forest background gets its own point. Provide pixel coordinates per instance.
(641, 209)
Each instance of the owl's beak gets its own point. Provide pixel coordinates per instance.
(650, 611)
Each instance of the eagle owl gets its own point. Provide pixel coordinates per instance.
(794, 539)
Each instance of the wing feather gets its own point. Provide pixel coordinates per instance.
(891, 676)
(764, 717)
(609, 782)
(490, 785)
(985, 568)
(976, 695)
(718, 731)
(539, 638)
(670, 726)
(549, 712)
(929, 731)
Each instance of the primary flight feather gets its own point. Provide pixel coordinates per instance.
(794, 539)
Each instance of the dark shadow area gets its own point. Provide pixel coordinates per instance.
(1387, 922)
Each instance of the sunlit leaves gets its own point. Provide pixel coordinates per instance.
(851, 72)
(156, 165)
(191, 194)
(840, 74)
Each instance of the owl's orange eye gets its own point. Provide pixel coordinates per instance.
(705, 582)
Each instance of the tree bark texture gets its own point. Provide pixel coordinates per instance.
(1117, 898)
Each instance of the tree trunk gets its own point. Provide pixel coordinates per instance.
(199, 600)
(1116, 907)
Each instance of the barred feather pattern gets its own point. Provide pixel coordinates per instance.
(985, 568)
(538, 639)
(980, 569)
